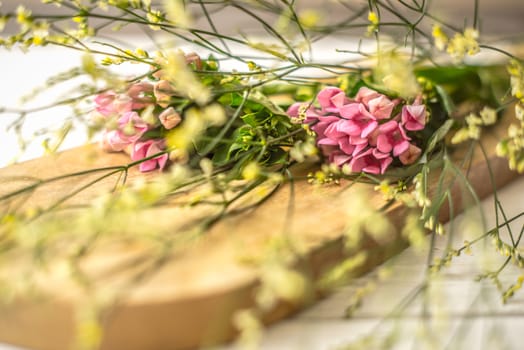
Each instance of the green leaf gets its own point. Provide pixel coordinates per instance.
(233, 99)
(439, 135)
(251, 119)
(276, 156)
(446, 75)
(264, 101)
(221, 155)
(354, 84)
(447, 102)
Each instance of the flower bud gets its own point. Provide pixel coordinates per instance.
(170, 118)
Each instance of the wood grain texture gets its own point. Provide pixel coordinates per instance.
(189, 300)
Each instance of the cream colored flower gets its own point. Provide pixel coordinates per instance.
(464, 44)
(396, 74)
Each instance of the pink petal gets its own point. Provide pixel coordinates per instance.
(371, 169)
(169, 118)
(339, 99)
(381, 107)
(148, 165)
(346, 146)
(312, 115)
(366, 94)
(383, 144)
(349, 127)
(414, 117)
(357, 140)
(324, 96)
(326, 141)
(400, 147)
(369, 128)
(340, 159)
(359, 148)
(292, 111)
(350, 110)
(333, 132)
(147, 149)
(410, 155)
(388, 127)
(379, 155)
(385, 164)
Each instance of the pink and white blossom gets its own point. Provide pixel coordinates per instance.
(359, 122)
(141, 95)
(331, 99)
(130, 129)
(410, 155)
(365, 94)
(294, 110)
(414, 117)
(381, 107)
(339, 158)
(163, 91)
(371, 161)
(169, 118)
(362, 132)
(110, 104)
(392, 138)
(194, 58)
(150, 148)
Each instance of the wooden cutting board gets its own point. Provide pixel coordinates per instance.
(190, 298)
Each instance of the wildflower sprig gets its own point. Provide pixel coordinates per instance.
(512, 147)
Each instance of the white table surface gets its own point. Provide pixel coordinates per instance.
(466, 314)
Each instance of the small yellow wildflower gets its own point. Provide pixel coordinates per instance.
(396, 74)
(141, 53)
(388, 191)
(488, 116)
(106, 61)
(154, 17)
(441, 39)
(23, 17)
(471, 36)
(251, 171)
(472, 129)
(214, 114)
(519, 112)
(207, 166)
(460, 136)
(414, 231)
(89, 65)
(309, 18)
(183, 80)
(3, 22)
(516, 72)
(250, 328)
(303, 150)
(78, 19)
(251, 66)
(177, 13)
(374, 20)
(464, 44)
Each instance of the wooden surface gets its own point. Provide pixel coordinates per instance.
(456, 312)
(189, 301)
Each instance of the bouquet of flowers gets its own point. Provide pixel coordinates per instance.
(227, 140)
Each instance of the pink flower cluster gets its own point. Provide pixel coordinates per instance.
(124, 115)
(130, 127)
(363, 132)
